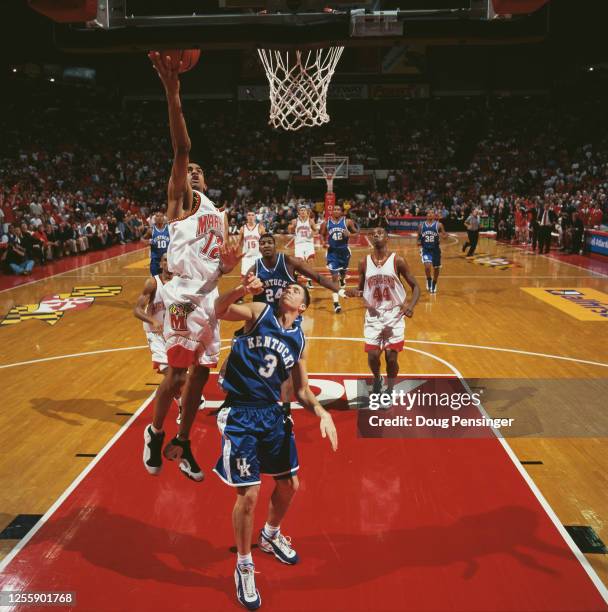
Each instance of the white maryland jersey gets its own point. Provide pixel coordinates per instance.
(304, 234)
(251, 241)
(156, 307)
(194, 248)
(383, 290)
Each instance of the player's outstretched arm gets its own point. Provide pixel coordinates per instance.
(226, 309)
(407, 308)
(362, 268)
(351, 226)
(145, 297)
(307, 398)
(291, 228)
(178, 189)
(305, 270)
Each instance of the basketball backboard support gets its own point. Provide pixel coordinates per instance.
(329, 167)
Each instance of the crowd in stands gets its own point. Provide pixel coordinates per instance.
(76, 176)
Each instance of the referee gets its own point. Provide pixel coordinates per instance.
(472, 225)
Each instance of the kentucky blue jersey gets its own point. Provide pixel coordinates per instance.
(275, 280)
(159, 243)
(336, 233)
(429, 236)
(260, 361)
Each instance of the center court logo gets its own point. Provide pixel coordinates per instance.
(51, 308)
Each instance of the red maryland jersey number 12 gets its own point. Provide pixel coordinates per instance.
(211, 247)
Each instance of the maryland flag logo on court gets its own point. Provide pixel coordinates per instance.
(492, 261)
(52, 307)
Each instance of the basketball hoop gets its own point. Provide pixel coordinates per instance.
(299, 80)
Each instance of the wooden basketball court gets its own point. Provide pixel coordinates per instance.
(385, 524)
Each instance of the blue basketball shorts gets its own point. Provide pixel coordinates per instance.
(338, 258)
(255, 441)
(433, 257)
(155, 266)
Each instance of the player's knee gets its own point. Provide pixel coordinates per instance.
(175, 379)
(200, 374)
(290, 484)
(247, 498)
(373, 357)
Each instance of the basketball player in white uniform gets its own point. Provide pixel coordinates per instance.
(197, 256)
(249, 240)
(305, 230)
(150, 308)
(386, 300)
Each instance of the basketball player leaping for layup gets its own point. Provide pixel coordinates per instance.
(196, 256)
(337, 230)
(304, 229)
(387, 305)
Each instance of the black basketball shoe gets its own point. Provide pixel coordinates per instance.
(153, 444)
(180, 449)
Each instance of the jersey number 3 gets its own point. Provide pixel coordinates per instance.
(271, 366)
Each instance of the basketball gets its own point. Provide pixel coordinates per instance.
(188, 57)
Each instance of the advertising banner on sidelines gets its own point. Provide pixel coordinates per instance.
(408, 223)
(596, 242)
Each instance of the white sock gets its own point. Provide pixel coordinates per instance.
(271, 531)
(179, 401)
(244, 559)
(336, 298)
(156, 431)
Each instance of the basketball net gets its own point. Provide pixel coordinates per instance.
(299, 81)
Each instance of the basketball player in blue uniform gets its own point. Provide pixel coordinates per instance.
(158, 234)
(257, 437)
(429, 236)
(336, 231)
(277, 271)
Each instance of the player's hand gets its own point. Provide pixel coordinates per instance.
(328, 430)
(352, 293)
(252, 284)
(229, 257)
(157, 327)
(167, 70)
(407, 310)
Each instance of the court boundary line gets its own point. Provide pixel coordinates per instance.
(508, 350)
(453, 344)
(38, 280)
(47, 515)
